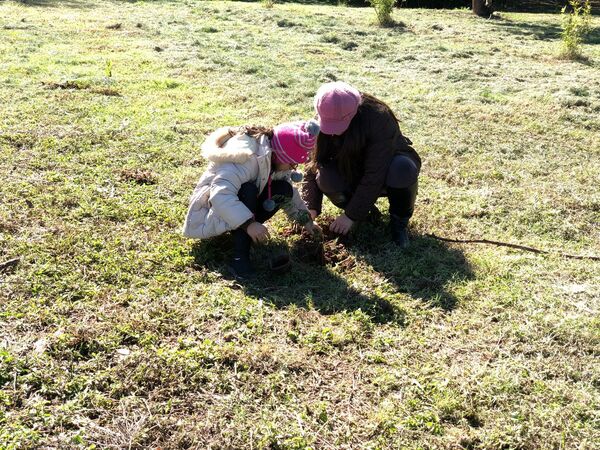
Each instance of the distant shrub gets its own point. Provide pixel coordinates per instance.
(575, 24)
(383, 10)
(268, 3)
(330, 38)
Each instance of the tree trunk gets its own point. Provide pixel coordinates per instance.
(482, 8)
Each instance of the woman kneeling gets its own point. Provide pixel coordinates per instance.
(361, 155)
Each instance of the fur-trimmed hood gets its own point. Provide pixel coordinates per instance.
(229, 145)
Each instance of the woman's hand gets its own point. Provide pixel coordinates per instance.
(313, 213)
(341, 224)
(258, 232)
(313, 228)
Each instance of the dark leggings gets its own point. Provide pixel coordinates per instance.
(400, 185)
(281, 191)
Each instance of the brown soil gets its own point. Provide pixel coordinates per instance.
(330, 249)
(139, 176)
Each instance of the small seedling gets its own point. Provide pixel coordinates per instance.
(575, 24)
(383, 11)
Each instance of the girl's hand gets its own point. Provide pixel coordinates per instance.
(313, 228)
(341, 224)
(313, 213)
(258, 232)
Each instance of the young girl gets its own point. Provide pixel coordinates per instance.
(361, 155)
(247, 180)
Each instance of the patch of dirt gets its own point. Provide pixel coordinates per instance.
(9, 266)
(81, 85)
(106, 91)
(139, 176)
(330, 249)
(70, 84)
(196, 162)
(9, 227)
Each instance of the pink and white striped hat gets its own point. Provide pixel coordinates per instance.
(293, 141)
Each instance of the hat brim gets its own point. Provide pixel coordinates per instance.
(335, 127)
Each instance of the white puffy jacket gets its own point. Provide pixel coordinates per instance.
(214, 206)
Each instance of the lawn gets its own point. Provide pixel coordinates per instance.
(116, 332)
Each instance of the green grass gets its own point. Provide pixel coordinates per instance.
(118, 333)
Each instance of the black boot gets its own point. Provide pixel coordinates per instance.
(240, 265)
(374, 216)
(280, 262)
(399, 231)
(402, 205)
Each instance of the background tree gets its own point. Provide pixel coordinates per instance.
(482, 8)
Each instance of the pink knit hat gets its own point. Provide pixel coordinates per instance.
(293, 141)
(336, 104)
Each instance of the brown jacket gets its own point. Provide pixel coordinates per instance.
(384, 141)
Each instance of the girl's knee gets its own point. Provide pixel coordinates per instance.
(248, 191)
(282, 187)
(402, 173)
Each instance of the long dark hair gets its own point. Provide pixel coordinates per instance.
(256, 131)
(347, 149)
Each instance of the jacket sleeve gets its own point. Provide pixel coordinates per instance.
(223, 199)
(311, 193)
(378, 155)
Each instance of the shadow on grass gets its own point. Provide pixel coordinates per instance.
(543, 31)
(306, 285)
(425, 271)
(301, 2)
(80, 4)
